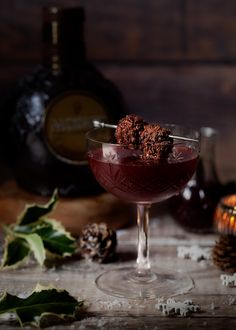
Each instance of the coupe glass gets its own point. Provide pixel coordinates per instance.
(123, 173)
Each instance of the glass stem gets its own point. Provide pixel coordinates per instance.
(143, 263)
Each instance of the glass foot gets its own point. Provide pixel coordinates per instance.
(126, 283)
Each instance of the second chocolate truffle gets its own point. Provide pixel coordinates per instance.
(155, 142)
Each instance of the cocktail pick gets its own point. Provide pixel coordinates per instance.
(99, 124)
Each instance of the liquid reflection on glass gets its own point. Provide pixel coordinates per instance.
(123, 173)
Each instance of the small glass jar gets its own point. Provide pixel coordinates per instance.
(225, 216)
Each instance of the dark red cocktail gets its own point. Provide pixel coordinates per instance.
(127, 176)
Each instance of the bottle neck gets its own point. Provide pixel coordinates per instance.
(63, 38)
(206, 171)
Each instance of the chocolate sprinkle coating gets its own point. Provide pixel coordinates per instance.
(128, 131)
(155, 142)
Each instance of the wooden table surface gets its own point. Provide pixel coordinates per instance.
(217, 302)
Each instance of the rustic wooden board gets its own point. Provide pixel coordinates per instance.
(217, 302)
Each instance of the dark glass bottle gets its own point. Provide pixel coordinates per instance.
(53, 108)
(194, 207)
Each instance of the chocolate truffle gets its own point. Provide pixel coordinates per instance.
(128, 131)
(155, 142)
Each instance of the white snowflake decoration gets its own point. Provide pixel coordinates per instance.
(228, 280)
(194, 252)
(172, 307)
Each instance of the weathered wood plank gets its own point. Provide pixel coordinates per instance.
(137, 31)
(140, 323)
(211, 30)
(114, 31)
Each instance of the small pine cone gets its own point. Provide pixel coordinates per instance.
(97, 242)
(224, 253)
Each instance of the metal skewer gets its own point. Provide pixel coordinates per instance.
(100, 124)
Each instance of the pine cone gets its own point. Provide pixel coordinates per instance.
(98, 242)
(224, 253)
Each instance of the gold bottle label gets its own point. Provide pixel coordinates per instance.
(67, 119)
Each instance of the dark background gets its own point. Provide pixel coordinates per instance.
(174, 60)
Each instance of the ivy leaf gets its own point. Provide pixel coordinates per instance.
(43, 301)
(34, 212)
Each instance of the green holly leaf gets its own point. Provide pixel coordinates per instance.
(42, 302)
(33, 213)
(20, 245)
(36, 246)
(33, 233)
(55, 238)
(16, 251)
